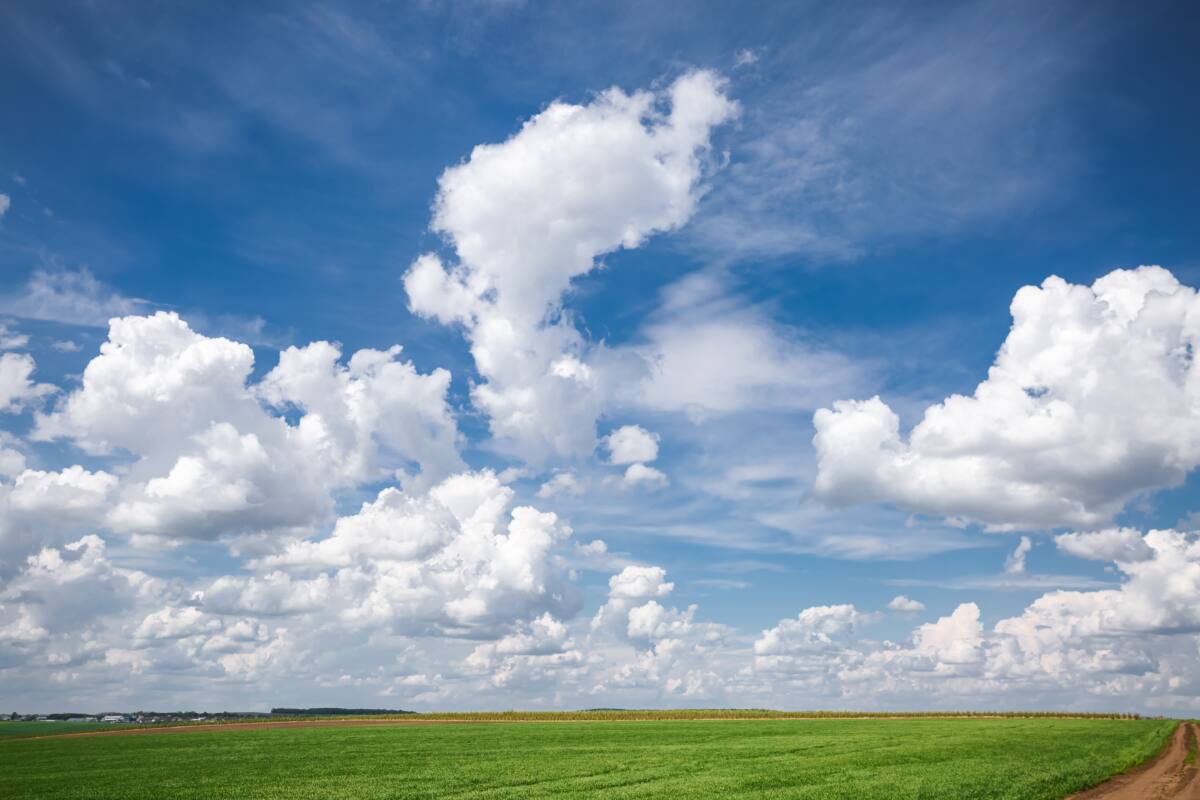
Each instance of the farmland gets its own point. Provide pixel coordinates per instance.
(770, 758)
(23, 729)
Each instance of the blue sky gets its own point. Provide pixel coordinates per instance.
(629, 254)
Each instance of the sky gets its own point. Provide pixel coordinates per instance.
(487, 355)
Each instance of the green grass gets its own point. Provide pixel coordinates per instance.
(827, 759)
(22, 729)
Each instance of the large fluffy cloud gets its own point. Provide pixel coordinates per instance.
(41, 509)
(528, 215)
(215, 455)
(454, 563)
(1093, 399)
(453, 560)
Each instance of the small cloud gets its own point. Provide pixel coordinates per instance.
(631, 444)
(10, 339)
(5, 204)
(905, 605)
(744, 58)
(642, 475)
(511, 474)
(561, 483)
(1015, 564)
(596, 547)
(66, 346)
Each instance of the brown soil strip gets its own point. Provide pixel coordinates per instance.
(1167, 777)
(227, 726)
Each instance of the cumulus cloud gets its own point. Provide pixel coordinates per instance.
(12, 459)
(540, 652)
(814, 630)
(631, 444)
(451, 560)
(627, 589)
(1091, 402)
(209, 457)
(643, 475)
(528, 215)
(1138, 640)
(560, 483)
(43, 509)
(905, 605)
(1111, 544)
(17, 388)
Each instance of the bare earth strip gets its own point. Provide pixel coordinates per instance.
(226, 726)
(1169, 777)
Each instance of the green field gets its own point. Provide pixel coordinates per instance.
(879, 758)
(9, 729)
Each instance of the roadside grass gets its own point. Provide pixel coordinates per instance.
(835, 759)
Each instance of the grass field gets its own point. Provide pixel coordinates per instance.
(11, 729)
(901, 758)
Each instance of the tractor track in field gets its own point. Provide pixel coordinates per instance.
(1174, 775)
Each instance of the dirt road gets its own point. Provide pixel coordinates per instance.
(1172, 776)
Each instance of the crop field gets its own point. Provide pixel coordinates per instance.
(772, 758)
(22, 729)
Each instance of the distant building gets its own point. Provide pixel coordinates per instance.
(114, 718)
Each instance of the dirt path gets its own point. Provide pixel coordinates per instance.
(1168, 777)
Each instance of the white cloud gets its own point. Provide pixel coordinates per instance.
(627, 589)
(44, 509)
(642, 475)
(653, 621)
(74, 298)
(530, 214)
(814, 630)
(954, 640)
(561, 483)
(210, 460)
(17, 388)
(450, 560)
(1015, 563)
(744, 58)
(12, 460)
(10, 339)
(750, 362)
(631, 444)
(905, 605)
(542, 651)
(1111, 544)
(1089, 404)
(1113, 645)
